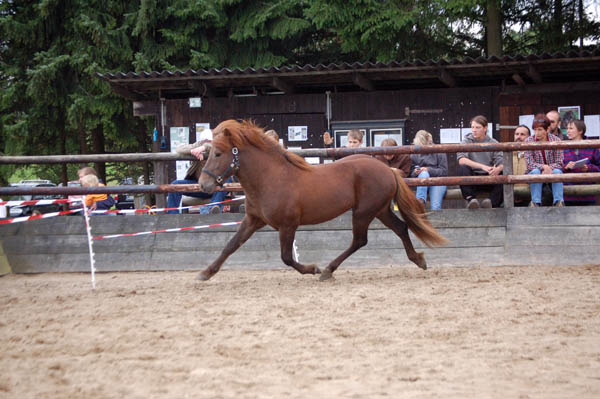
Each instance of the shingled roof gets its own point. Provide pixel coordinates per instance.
(520, 70)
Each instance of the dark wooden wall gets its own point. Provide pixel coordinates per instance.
(513, 105)
(429, 109)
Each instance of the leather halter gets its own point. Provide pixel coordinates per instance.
(234, 166)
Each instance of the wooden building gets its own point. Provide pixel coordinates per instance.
(395, 98)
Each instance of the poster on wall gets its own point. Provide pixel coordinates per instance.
(179, 136)
(568, 114)
(297, 133)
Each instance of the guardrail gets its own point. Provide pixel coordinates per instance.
(507, 179)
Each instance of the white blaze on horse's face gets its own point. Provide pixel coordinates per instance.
(215, 168)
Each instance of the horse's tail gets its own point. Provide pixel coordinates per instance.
(413, 213)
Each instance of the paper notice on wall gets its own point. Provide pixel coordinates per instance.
(179, 136)
(592, 125)
(450, 136)
(526, 120)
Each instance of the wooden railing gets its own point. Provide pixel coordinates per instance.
(507, 179)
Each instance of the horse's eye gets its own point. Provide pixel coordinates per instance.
(217, 154)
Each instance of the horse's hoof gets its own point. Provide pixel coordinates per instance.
(202, 276)
(421, 262)
(325, 275)
(317, 270)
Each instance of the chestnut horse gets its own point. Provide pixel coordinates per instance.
(284, 191)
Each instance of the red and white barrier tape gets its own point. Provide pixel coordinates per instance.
(206, 226)
(35, 202)
(134, 211)
(34, 217)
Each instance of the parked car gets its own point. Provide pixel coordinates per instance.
(125, 200)
(75, 201)
(28, 210)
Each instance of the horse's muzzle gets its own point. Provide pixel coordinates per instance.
(207, 184)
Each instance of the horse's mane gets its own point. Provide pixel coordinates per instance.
(232, 133)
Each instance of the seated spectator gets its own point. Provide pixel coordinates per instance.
(480, 164)
(191, 177)
(544, 162)
(429, 165)
(95, 202)
(522, 132)
(575, 132)
(107, 200)
(398, 161)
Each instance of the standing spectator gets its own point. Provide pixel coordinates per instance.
(522, 132)
(589, 162)
(480, 164)
(355, 139)
(544, 162)
(398, 161)
(429, 165)
(191, 177)
(554, 118)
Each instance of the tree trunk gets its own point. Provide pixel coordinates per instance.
(494, 28)
(81, 137)
(98, 148)
(557, 22)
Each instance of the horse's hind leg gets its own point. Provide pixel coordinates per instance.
(286, 241)
(389, 219)
(360, 231)
(249, 225)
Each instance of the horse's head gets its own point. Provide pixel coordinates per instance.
(223, 159)
(232, 142)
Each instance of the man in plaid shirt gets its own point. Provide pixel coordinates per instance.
(544, 162)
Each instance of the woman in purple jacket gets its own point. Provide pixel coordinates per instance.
(589, 162)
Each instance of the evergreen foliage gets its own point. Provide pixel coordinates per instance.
(51, 101)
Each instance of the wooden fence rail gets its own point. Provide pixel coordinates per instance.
(507, 179)
(313, 152)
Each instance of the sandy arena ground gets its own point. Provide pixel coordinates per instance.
(502, 332)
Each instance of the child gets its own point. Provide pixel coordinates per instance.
(101, 202)
(355, 139)
(107, 201)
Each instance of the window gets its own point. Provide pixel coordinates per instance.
(374, 131)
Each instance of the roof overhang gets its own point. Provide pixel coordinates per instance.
(518, 71)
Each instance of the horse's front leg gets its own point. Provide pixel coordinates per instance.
(249, 225)
(286, 241)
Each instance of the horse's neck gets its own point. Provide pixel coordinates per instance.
(258, 169)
